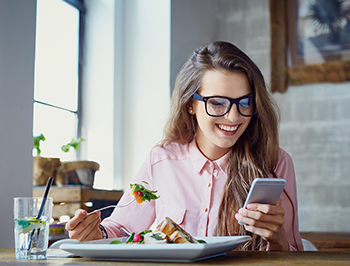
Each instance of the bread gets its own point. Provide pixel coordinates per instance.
(167, 226)
(180, 237)
(175, 233)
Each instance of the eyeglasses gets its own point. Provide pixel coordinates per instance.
(219, 106)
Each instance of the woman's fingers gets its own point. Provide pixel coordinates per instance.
(264, 233)
(266, 208)
(267, 221)
(77, 218)
(84, 227)
(92, 230)
(259, 214)
(260, 218)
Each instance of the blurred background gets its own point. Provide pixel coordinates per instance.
(104, 70)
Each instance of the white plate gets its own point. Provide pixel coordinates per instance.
(102, 250)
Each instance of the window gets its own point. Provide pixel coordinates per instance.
(56, 90)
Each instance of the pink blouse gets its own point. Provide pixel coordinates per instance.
(190, 188)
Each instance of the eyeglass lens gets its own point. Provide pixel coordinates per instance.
(218, 106)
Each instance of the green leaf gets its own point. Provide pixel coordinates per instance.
(37, 140)
(154, 196)
(145, 232)
(131, 238)
(75, 143)
(146, 193)
(116, 242)
(65, 148)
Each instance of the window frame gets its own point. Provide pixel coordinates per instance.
(80, 6)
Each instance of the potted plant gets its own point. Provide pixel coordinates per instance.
(43, 167)
(81, 172)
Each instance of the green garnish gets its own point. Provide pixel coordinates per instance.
(131, 239)
(116, 242)
(157, 236)
(145, 193)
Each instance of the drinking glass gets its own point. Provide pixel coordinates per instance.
(31, 231)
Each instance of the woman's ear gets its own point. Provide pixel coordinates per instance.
(190, 109)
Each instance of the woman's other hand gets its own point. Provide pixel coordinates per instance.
(83, 227)
(267, 221)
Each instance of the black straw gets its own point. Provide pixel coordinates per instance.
(48, 186)
(47, 189)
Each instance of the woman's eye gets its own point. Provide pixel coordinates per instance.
(246, 102)
(217, 102)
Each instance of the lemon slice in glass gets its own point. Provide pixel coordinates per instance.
(24, 226)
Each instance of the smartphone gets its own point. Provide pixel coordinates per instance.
(265, 191)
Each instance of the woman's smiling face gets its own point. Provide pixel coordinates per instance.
(216, 135)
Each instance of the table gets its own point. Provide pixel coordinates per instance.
(7, 257)
(329, 241)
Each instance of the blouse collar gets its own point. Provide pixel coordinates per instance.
(199, 160)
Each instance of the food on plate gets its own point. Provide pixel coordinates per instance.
(166, 232)
(137, 238)
(175, 233)
(142, 194)
(116, 242)
(156, 238)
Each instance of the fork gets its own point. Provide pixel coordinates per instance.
(113, 206)
(106, 207)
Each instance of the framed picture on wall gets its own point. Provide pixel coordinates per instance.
(310, 42)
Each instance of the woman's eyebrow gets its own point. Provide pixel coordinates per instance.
(246, 95)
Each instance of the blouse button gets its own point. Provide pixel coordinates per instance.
(208, 185)
(206, 209)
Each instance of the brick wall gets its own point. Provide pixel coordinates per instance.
(315, 130)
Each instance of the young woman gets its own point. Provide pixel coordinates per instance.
(221, 135)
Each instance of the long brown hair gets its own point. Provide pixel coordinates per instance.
(255, 154)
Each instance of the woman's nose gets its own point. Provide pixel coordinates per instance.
(233, 114)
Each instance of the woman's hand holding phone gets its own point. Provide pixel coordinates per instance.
(265, 218)
(267, 221)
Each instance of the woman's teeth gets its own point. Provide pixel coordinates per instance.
(228, 128)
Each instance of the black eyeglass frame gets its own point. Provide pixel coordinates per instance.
(236, 101)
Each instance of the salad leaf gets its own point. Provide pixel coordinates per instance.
(131, 238)
(146, 193)
(116, 242)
